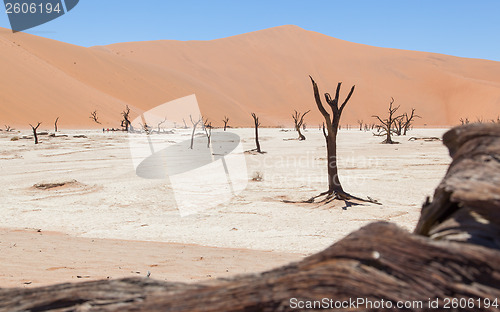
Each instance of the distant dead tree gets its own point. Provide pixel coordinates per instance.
(298, 119)
(257, 124)
(126, 119)
(55, 124)
(386, 125)
(161, 123)
(409, 120)
(464, 121)
(94, 117)
(225, 120)
(398, 125)
(194, 128)
(360, 123)
(34, 131)
(146, 128)
(185, 125)
(208, 130)
(496, 121)
(335, 190)
(9, 128)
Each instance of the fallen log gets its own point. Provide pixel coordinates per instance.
(452, 259)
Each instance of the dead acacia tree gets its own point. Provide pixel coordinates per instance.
(55, 124)
(146, 128)
(94, 117)
(257, 124)
(9, 128)
(161, 123)
(225, 120)
(409, 120)
(398, 125)
(194, 129)
(360, 123)
(386, 125)
(207, 126)
(464, 121)
(335, 190)
(298, 119)
(34, 131)
(126, 119)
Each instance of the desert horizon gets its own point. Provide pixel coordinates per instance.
(67, 81)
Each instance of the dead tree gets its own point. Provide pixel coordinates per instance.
(386, 125)
(360, 122)
(409, 120)
(398, 125)
(194, 129)
(335, 190)
(257, 124)
(9, 128)
(160, 123)
(185, 125)
(126, 119)
(225, 120)
(207, 126)
(464, 121)
(94, 117)
(34, 131)
(55, 124)
(298, 119)
(146, 128)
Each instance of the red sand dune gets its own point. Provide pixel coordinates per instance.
(264, 72)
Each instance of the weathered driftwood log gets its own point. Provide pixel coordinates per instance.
(466, 205)
(378, 262)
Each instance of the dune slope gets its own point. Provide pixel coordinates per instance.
(264, 72)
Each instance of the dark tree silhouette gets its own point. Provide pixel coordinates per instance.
(34, 131)
(126, 118)
(55, 124)
(409, 120)
(387, 125)
(225, 120)
(335, 190)
(399, 125)
(464, 121)
(94, 117)
(207, 126)
(298, 119)
(194, 129)
(257, 124)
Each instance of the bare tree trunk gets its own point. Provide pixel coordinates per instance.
(298, 119)
(257, 124)
(208, 133)
(225, 120)
(194, 129)
(55, 124)
(34, 131)
(335, 189)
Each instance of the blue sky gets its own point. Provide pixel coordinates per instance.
(455, 27)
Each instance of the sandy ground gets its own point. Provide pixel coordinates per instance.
(30, 258)
(107, 200)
